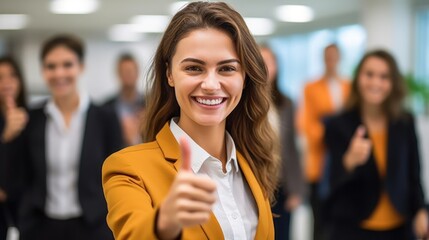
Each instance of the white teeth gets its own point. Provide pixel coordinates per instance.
(209, 102)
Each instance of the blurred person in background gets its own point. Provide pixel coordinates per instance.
(13, 119)
(129, 103)
(374, 165)
(292, 187)
(321, 98)
(65, 143)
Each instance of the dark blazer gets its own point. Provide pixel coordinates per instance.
(7, 164)
(102, 136)
(111, 102)
(3, 163)
(353, 196)
(292, 175)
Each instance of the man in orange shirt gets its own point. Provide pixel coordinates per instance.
(321, 98)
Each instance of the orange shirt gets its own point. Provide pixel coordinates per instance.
(317, 104)
(384, 216)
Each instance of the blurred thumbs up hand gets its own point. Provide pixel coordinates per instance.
(16, 119)
(3, 195)
(189, 201)
(358, 151)
(421, 224)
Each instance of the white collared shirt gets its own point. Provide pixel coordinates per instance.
(336, 93)
(63, 152)
(235, 208)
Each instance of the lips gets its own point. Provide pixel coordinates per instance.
(209, 101)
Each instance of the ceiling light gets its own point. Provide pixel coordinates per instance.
(124, 33)
(150, 23)
(13, 21)
(294, 13)
(260, 26)
(177, 6)
(73, 6)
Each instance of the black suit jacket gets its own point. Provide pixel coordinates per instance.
(3, 162)
(353, 196)
(102, 136)
(7, 164)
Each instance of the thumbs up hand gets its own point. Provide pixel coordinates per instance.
(16, 120)
(358, 151)
(189, 201)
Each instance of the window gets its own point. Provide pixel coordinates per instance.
(422, 45)
(300, 57)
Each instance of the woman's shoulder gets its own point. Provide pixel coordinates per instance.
(144, 154)
(344, 117)
(405, 120)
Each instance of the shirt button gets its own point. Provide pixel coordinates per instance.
(234, 216)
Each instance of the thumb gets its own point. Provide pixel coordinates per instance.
(10, 103)
(186, 154)
(360, 132)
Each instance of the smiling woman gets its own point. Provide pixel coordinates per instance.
(207, 78)
(374, 169)
(209, 101)
(64, 145)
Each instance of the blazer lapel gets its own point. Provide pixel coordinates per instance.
(394, 152)
(171, 151)
(260, 199)
(37, 142)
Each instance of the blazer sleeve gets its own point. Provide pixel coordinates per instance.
(337, 140)
(310, 121)
(3, 159)
(14, 158)
(417, 196)
(113, 131)
(131, 214)
(292, 172)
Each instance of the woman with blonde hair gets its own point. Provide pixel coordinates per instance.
(208, 167)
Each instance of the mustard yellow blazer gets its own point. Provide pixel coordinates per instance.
(137, 179)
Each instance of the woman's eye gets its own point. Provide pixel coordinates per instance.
(50, 66)
(193, 69)
(369, 74)
(385, 76)
(227, 69)
(68, 64)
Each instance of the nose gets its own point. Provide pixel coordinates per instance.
(210, 82)
(58, 71)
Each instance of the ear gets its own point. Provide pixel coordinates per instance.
(169, 77)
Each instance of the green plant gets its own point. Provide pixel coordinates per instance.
(418, 93)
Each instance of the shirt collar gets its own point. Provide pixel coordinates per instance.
(199, 155)
(84, 101)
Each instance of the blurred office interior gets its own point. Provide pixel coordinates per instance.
(297, 30)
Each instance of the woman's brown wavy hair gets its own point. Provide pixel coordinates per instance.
(248, 122)
(393, 105)
(21, 100)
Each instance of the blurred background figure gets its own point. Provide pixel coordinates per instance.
(374, 166)
(128, 103)
(321, 98)
(13, 119)
(65, 143)
(292, 187)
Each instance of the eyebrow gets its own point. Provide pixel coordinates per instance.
(203, 63)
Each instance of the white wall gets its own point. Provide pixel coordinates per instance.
(389, 25)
